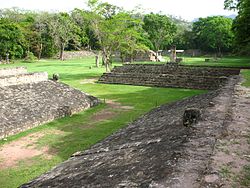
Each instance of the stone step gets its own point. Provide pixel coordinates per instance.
(164, 80)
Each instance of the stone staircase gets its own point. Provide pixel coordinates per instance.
(30, 99)
(169, 76)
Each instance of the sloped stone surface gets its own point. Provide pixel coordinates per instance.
(154, 151)
(28, 105)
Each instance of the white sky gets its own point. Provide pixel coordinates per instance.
(187, 9)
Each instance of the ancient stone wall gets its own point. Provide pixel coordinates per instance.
(29, 100)
(12, 71)
(77, 54)
(169, 76)
(23, 78)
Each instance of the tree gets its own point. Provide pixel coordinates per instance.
(214, 33)
(130, 38)
(11, 39)
(62, 30)
(115, 30)
(160, 30)
(241, 25)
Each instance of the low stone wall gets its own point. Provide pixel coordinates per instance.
(12, 71)
(156, 150)
(29, 105)
(30, 99)
(169, 76)
(78, 54)
(176, 70)
(23, 79)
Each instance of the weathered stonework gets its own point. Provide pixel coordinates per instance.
(12, 71)
(78, 54)
(29, 100)
(154, 151)
(169, 76)
(25, 78)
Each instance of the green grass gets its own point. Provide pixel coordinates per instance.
(79, 131)
(225, 61)
(246, 75)
(200, 61)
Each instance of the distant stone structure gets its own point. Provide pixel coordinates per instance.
(30, 99)
(169, 75)
(148, 55)
(78, 54)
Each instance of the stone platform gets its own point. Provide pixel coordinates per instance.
(166, 75)
(30, 99)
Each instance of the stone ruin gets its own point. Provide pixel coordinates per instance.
(168, 75)
(156, 150)
(31, 99)
(148, 55)
(170, 146)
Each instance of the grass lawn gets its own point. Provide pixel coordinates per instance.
(226, 61)
(246, 75)
(80, 131)
(200, 61)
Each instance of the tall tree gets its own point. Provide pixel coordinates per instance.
(214, 33)
(12, 40)
(62, 29)
(241, 25)
(160, 29)
(115, 30)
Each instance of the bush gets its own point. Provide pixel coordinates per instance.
(30, 57)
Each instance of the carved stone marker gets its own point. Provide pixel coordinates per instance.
(191, 116)
(173, 54)
(97, 60)
(55, 77)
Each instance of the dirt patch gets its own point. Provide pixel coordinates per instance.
(23, 149)
(112, 110)
(89, 81)
(232, 151)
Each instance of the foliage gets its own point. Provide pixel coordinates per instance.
(116, 30)
(241, 25)
(108, 28)
(11, 39)
(160, 29)
(214, 33)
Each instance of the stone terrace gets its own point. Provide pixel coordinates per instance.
(154, 151)
(30, 99)
(169, 76)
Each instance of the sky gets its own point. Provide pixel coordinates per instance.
(186, 9)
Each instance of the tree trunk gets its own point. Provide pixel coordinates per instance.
(61, 52)
(40, 51)
(220, 55)
(97, 60)
(122, 57)
(131, 59)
